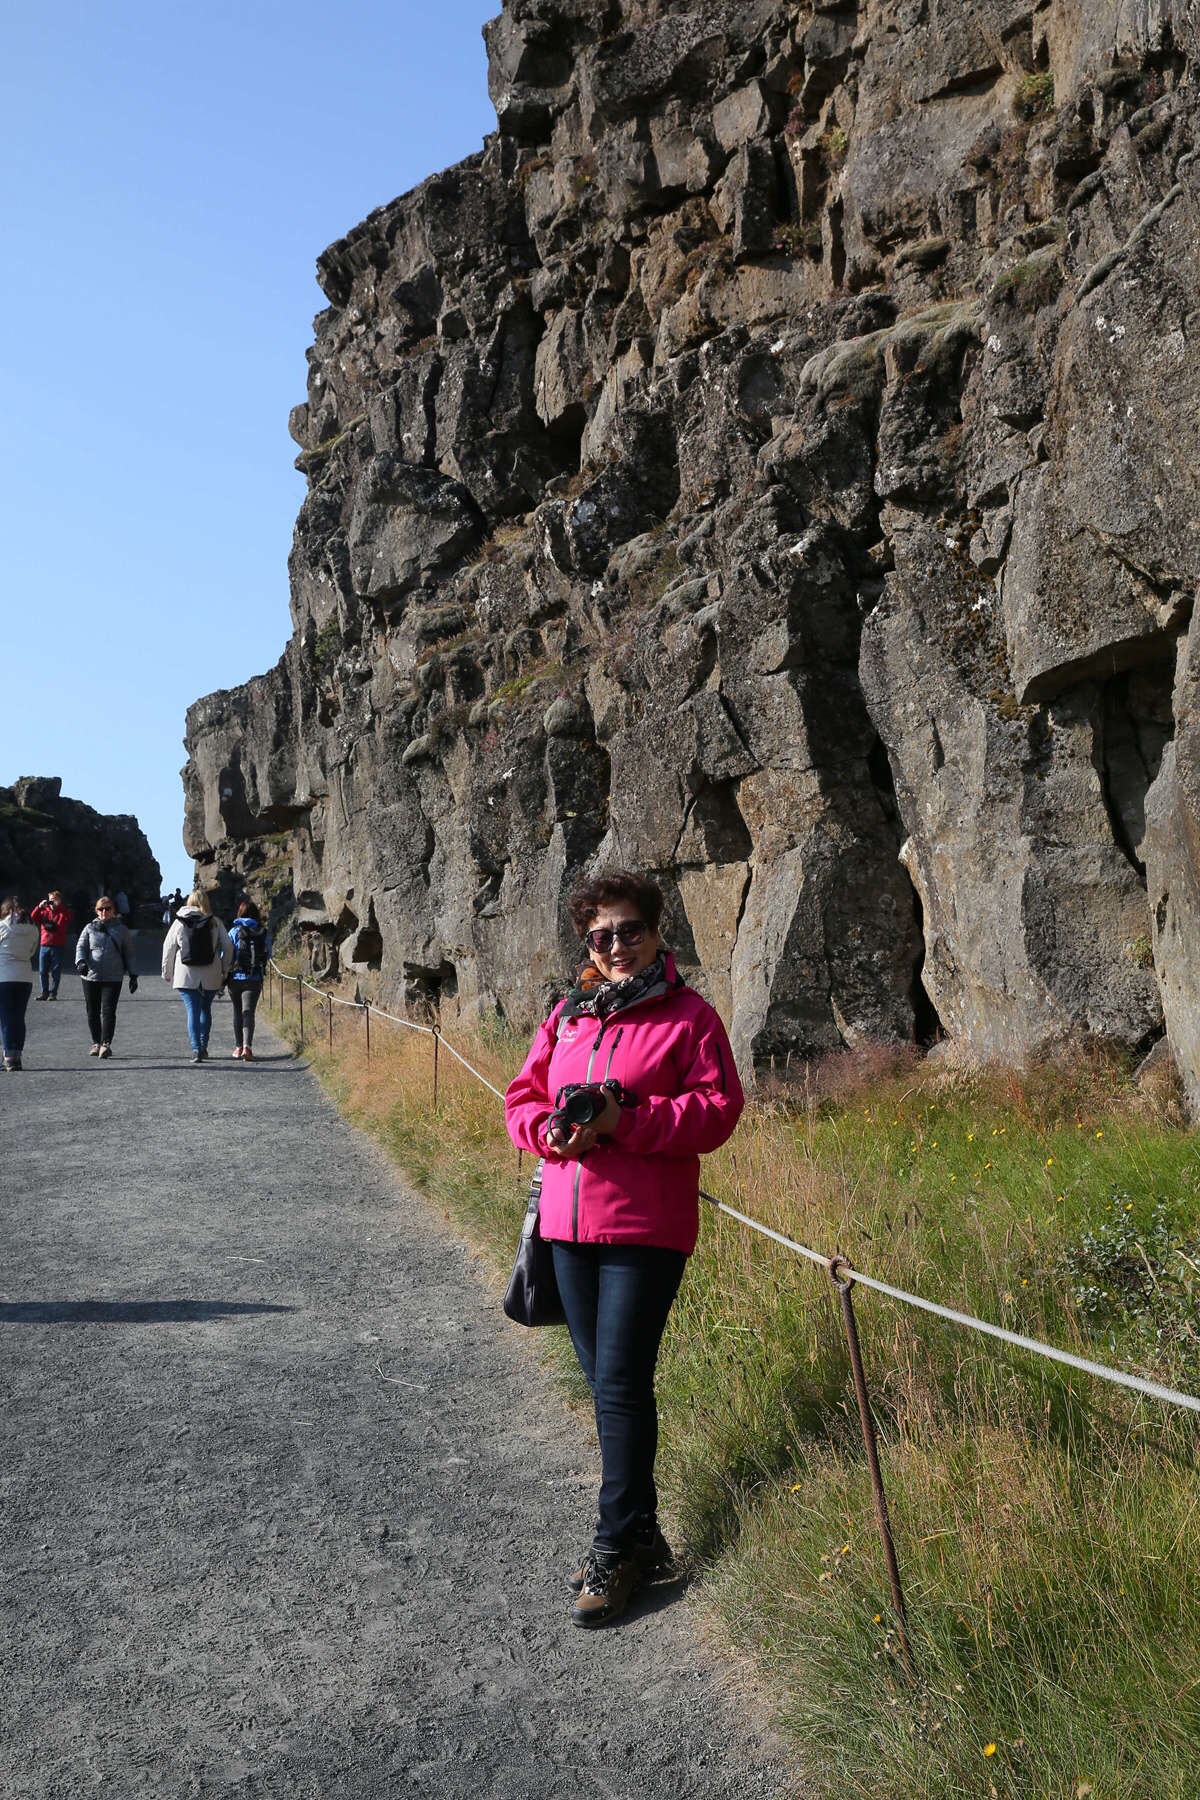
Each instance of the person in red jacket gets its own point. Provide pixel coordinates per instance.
(52, 919)
(620, 1192)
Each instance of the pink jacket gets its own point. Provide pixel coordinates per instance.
(641, 1185)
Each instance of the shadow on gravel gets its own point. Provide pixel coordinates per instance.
(655, 1597)
(135, 1065)
(126, 1312)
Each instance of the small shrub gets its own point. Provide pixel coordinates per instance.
(1034, 97)
(1030, 285)
(326, 646)
(1139, 1269)
(833, 146)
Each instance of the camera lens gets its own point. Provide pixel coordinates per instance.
(582, 1107)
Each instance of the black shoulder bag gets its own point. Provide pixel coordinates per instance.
(531, 1297)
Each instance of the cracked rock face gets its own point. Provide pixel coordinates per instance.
(48, 841)
(771, 462)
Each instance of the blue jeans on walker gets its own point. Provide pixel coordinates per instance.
(616, 1298)
(50, 967)
(14, 998)
(199, 1005)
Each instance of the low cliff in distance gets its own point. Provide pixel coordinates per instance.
(770, 462)
(48, 842)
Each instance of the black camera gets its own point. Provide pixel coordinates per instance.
(581, 1102)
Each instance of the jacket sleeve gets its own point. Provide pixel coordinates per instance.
(702, 1115)
(528, 1102)
(38, 913)
(170, 949)
(81, 948)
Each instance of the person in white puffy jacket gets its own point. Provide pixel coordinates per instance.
(197, 958)
(18, 944)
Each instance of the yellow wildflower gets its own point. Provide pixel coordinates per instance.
(989, 1749)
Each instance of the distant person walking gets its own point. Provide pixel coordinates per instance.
(18, 943)
(103, 957)
(251, 950)
(197, 958)
(52, 918)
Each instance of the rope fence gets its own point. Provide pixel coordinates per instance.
(841, 1271)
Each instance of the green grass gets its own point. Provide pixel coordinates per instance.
(1045, 1522)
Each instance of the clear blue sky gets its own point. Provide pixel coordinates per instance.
(168, 175)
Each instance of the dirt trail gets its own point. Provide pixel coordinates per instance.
(287, 1502)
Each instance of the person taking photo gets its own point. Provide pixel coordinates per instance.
(52, 919)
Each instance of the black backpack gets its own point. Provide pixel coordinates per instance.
(247, 950)
(196, 943)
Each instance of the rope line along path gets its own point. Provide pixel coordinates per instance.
(840, 1269)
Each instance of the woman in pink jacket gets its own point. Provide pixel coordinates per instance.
(620, 1192)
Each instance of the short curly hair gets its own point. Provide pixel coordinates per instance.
(588, 897)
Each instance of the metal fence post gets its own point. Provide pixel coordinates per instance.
(842, 1275)
(329, 1004)
(367, 1019)
(435, 1068)
(300, 992)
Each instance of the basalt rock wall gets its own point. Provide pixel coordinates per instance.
(771, 462)
(47, 841)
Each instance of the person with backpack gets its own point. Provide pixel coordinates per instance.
(18, 943)
(251, 952)
(197, 958)
(103, 957)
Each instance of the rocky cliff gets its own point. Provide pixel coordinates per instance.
(771, 462)
(47, 841)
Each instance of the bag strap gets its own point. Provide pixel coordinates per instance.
(535, 1199)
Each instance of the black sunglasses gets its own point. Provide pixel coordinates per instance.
(631, 932)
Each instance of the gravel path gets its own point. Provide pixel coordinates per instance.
(287, 1502)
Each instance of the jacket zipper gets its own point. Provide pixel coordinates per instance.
(587, 1077)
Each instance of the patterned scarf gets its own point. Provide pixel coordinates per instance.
(597, 999)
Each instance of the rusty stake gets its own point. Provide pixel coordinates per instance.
(842, 1276)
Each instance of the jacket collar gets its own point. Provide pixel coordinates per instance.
(607, 1000)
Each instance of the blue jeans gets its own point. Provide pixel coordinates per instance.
(199, 1004)
(616, 1298)
(50, 967)
(14, 998)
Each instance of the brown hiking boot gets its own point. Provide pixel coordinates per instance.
(608, 1581)
(653, 1555)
